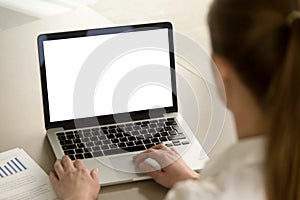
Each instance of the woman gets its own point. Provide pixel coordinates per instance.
(255, 45)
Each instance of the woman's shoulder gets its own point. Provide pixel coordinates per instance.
(237, 174)
(246, 153)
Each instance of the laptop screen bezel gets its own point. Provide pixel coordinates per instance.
(105, 119)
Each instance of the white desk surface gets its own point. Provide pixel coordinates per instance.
(21, 121)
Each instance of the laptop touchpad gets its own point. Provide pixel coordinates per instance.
(123, 163)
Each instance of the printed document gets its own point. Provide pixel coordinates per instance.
(21, 178)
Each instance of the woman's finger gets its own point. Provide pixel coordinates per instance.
(139, 158)
(94, 174)
(159, 146)
(58, 168)
(150, 171)
(79, 164)
(67, 163)
(53, 179)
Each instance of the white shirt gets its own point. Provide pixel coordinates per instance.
(236, 174)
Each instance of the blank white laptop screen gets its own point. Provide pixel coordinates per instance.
(64, 59)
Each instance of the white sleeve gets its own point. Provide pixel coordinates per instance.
(192, 189)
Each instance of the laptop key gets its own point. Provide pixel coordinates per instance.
(104, 147)
(135, 133)
(148, 146)
(153, 121)
(97, 153)
(70, 137)
(147, 141)
(110, 136)
(160, 124)
(123, 139)
(168, 128)
(86, 139)
(102, 137)
(131, 138)
(61, 138)
(119, 135)
(140, 137)
(86, 131)
(97, 143)
(89, 144)
(87, 149)
(81, 145)
(60, 134)
(78, 150)
(138, 142)
(145, 127)
(163, 139)
(171, 119)
(170, 123)
(68, 147)
(65, 142)
(155, 140)
(113, 146)
(136, 127)
(129, 144)
(172, 132)
(113, 151)
(115, 140)
(69, 152)
(112, 131)
(79, 156)
(96, 148)
(134, 148)
(177, 129)
(164, 134)
(88, 155)
(121, 145)
(95, 138)
(151, 130)
(106, 142)
(119, 129)
(77, 141)
(128, 128)
(97, 133)
(112, 127)
(152, 125)
(80, 135)
(176, 137)
(69, 133)
(72, 157)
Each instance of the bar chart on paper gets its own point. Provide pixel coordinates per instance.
(22, 178)
(11, 166)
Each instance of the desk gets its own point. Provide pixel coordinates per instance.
(21, 123)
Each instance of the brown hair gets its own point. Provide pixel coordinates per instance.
(255, 37)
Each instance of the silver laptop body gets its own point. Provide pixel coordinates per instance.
(109, 94)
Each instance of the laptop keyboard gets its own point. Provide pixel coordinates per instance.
(120, 138)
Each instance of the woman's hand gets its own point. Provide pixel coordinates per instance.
(173, 167)
(74, 181)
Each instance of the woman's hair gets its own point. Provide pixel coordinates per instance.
(261, 39)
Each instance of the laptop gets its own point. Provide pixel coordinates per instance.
(109, 94)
